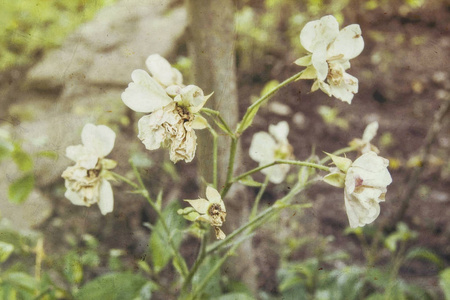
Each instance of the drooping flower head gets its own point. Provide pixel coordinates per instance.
(268, 147)
(365, 184)
(172, 105)
(86, 181)
(330, 54)
(211, 210)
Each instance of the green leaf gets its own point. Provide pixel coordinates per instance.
(22, 281)
(5, 251)
(114, 286)
(423, 253)
(23, 161)
(248, 181)
(73, 269)
(20, 189)
(304, 61)
(444, 282)
(269, 86)
(159, 248)
(309, 73)
(235, 296)
(6, 148)
(49, 154)
(248, 118)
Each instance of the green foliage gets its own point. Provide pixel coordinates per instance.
(402, 234)
(444, 282)
(330, 117)
(116, 286)
(159, 241)
(21, 188)
(30, 26)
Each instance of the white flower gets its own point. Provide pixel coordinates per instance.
(365, 187)
(364, 145)
(86, 181)
(172, 105)
(266, 148)
(211, 211)
(331, 51)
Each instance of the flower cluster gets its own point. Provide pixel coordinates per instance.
(86, 181)
(364, 182)
(172, 105)
(269, 147)
(330, 54)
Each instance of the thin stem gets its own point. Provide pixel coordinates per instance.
(126, 180)
(201, 256)
(215, 159)
(230, 169)
(226, 128)
(258, 198)
(256, 104)
(143, 191)
(289, 162)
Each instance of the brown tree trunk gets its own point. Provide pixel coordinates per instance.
(211, 41)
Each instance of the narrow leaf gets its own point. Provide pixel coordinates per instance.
(20, 189)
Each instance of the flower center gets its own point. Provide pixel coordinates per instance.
(184, 113)
(284, 151)
(216, 213)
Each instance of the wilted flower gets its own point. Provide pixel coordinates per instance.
(331, 51)
(172, 105)
(86, 181)
(211, 211)
(364, 145)
(364, 181)
(266, 148)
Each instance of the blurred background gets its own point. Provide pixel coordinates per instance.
(65, 63)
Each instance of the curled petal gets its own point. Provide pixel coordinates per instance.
(106, 197)
(370, 132)
(75, 198)
(150, 133)
(346, 89)
(348, 44)
(199, 122)
(213, 195)
(98, 138)
(144, 94)
(362, 209)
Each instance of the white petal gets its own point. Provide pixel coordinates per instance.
(213, 195)
(346, 89)
(319, 33)
(370, 132)
(162, 71)
(280, 131)
(348, 44)
(144, 94)
(276, 173)
(372, 169)
(76, 152)
(106, 197)
(200, 205)
(150, 132)
(98, 138)
(262, 148)
(319, 61)
(74, 198)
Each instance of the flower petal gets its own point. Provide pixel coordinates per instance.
(106, 198)
(361, 210)
(276, 173)
(74, 198)
(213, 195)
(262, 148)
(280, 131)
(319, 33)
(162, 71)
(348, 43)
(76, 152)
(199, 122)
(144, 94)
(200, 205)
(346, 89)
(98, 138)
(319, 61)
(150, 132)
(370, 132)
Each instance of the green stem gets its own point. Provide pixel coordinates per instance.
(289, 162)
(126, 180)
(258, 198)
(230, 168)
(201, 256)
(215, 159)
(255, 105)
(143, 191)
(222, 121)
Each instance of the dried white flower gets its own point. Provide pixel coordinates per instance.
(331, 51)
(266, 148)
(86, 181)
(364, 145)
(212, 211)
(172, 105)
